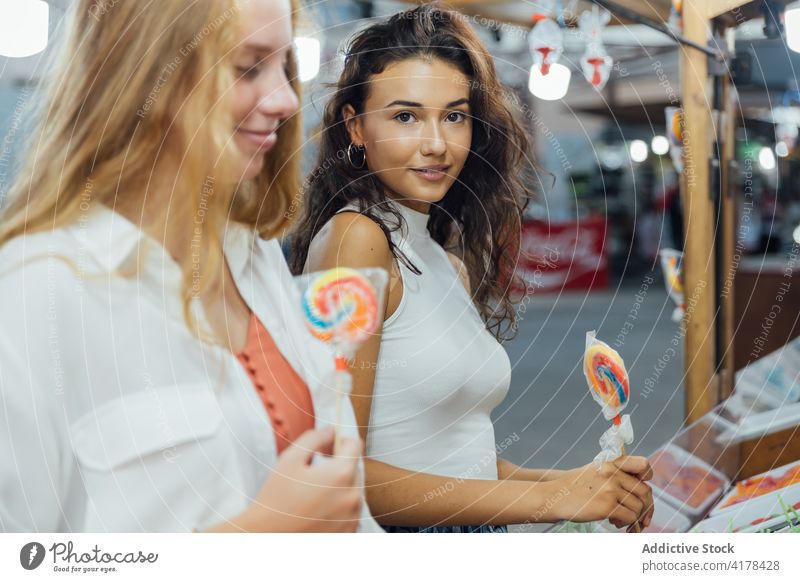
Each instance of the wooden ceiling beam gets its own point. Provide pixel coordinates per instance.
(658, 10)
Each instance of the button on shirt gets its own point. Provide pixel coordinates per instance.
(113, 416)
(283, 392)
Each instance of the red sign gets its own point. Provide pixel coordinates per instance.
(563, 255)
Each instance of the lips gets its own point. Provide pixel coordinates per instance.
(432, 173)
(262, 140)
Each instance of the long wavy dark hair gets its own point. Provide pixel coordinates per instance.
(480, 216)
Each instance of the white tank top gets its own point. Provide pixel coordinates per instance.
(440, 373)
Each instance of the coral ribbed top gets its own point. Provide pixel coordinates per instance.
(283, 392)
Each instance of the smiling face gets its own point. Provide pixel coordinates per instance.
(416, 128)
(262, 95)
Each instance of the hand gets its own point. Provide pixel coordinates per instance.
(638, 467)
(616, 491)
(301, 497)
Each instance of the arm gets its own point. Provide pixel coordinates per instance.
(508, 470)
(400, 497)
(352, 240)
(613, 490)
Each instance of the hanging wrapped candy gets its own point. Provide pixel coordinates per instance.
(546, 40)
(675, 136)
(675, 16)
(595, 62)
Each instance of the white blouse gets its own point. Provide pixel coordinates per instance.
(113, 416)
(440, 372)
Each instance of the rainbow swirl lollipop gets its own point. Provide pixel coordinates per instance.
(673, 273)
(607, 377)
(341, 306)
(675, 129)
(672, 267)
(608, 383)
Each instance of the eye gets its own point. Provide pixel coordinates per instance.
(287, 68)
(248, 72)
(456, 116)
(404, 117)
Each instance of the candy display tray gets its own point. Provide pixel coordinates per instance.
(763, 513)
(686, 459)
(790, 494)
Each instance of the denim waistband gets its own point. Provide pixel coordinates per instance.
(446, 529)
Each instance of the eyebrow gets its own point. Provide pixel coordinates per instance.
(402, 103)
(261, 48)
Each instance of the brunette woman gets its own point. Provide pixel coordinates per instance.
(432, 189)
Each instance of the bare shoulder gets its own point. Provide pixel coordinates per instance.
(349, 239)
(461, 269)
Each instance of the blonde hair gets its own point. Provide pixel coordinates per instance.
(136, 82)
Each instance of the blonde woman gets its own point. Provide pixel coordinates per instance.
(156, 374)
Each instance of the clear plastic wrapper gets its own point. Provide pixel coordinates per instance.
(609, 386)
(596, 63)
(546, 43)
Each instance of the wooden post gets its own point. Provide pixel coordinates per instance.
(699, 293)
(714, 8)
(728, 221)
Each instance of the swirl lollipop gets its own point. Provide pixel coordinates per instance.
(675, 16)
(672, 272)
(675, 136)
(607, 378)
(342, 307)
(608, 383)
(672, 267)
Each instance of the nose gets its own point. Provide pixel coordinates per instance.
(433, 143)
(276, 97)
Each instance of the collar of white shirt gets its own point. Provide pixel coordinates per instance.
(113, 241)
(258, 267)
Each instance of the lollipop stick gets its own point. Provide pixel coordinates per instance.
(337, 444)
(636, 526)
(342, 387)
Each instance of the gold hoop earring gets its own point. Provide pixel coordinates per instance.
(363, 151)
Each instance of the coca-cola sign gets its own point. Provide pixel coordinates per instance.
(563, 255)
